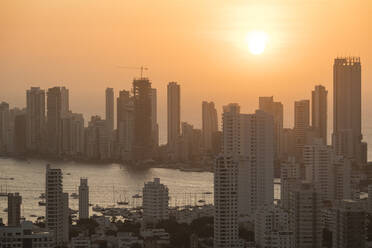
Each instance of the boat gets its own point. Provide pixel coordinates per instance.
(42, 203)
(68, 173)
(201, 201)
(136, 196)
(208, 193)
(33, 216)
(122, 203)
(97, 208)
(42, 196)
(5, 210)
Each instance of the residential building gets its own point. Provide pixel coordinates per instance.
(268, 105)
(35, 118)
(125, 125)
(57, 107)
(14, 209)
(301, 125)
(83, 199)
(348, 225)
(319, 112)
(110, 109)
(209, 124)
(305, 217)
(155, 202)
(174, 112)
(25, 235)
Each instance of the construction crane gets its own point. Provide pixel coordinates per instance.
(142, 68)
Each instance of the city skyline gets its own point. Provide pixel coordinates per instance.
(208, 58)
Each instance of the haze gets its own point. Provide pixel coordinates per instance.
(199, 44)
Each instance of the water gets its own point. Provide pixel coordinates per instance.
(108, 183)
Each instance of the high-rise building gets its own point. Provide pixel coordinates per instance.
(155, 202)
(305, 217)
(110, 109)
(97, 140)
(72, 134)
(348, 225)
(14, 209)
(174, 112)
(35, 117)
(347, 120)
(4, 127)
(20, 134)
(83, 199)
(319, 112)
(209, 124)
(142, 139)
(272, 229)
(342, 178)
(154, 117)
(318, 160)
(256, 165)
(57, 107)
(226, 226)
(66, 218)
(55, 204)
(268, 105)
(125, 125)
(301, 124)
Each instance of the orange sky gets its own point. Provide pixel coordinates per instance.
(200, 44)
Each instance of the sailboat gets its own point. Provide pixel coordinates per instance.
(125, 202)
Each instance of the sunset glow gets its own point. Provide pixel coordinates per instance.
(257, 41)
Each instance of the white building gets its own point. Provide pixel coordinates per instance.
(83, 199)
(155, 202)
(26, 235)
(56, 206)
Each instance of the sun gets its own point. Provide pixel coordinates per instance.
(257, 41)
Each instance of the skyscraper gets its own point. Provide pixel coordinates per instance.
(154, 117)
(4, 127)
(57, 107)
(305, 216)
(125, 124)
(72, 134)
(110, 109)
(55, 204)
(268, 105)
(209, 124)
(319, 112)
(14, 209)
(301, 124)
(226, 227)
(83, 199)
(174, 112)
(142, 139)
(318, 159)
(347, 135)
(256, 164)
(35, 118)
(348, 225)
